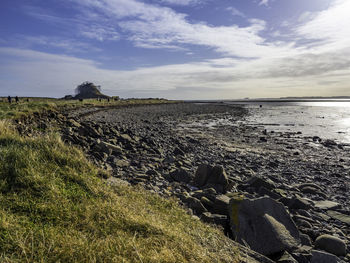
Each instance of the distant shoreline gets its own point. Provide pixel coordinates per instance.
(268, 100)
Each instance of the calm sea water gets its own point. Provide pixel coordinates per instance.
(326, 119)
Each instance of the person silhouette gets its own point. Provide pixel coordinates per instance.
(17, 99)
(9, 99)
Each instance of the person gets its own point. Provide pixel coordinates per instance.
(9, 99)
(17, 99)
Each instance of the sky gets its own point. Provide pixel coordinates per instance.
(176, 49)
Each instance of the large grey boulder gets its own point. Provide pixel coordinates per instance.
(221, 204)
(263, 224)
(181, 175)
(331, 244)
(324, 257)
(208, 176)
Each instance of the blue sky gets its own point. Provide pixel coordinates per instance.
(177, 49)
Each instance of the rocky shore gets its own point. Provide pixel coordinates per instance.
(283, 195)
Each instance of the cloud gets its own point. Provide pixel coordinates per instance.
(66, 44)
(100, 33)
(328, 29)
(264, 2)
(216, 78)
(235, 12)
(181, 2)
(318, 52)
(152, 26)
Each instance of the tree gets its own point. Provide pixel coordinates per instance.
(88, 90)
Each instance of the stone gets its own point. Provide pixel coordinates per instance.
(202, 174)
(329, 143)
(286, 258)
(264, 224)
(221, 204)
(178, 151)
(125, 138)
(121, 163)
(298, 203)
(87, 130)
(305, 240)
(339, 216)
(326, 205)
(109, 148)
(73, 123)
(218, 176)
(258, 182)
(215, 177)
(324, 257)
(181, 175)
(331, 244)
(207, 203)
(195, 205)
(313, 191)
(214, 219)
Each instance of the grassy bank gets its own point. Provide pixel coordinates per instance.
(26, 107)
(55, 208)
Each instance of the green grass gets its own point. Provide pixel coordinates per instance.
(24, 107)
(55, 208)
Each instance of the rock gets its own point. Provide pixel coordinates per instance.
(258, 182)
(218, 177)
(326, 205)
(116, 150)
(117, 181)
(121, 163)
(312, 190)
(178, 151)
(305, 240)
(298, 203)
(125, 138)
(181, 175)
(331, 244)
(221, 204)
(286, 258)
(73, 123)
(195, 205)
(214, 219)
(339, 216)
(324, 257)
(211, 177)
(264, 191)
(264, 224)
(329, 143)
(202, 174)
(87, 130)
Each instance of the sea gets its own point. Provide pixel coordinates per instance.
(323, 118)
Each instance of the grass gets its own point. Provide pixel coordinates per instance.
(24, 107)
(55, 208)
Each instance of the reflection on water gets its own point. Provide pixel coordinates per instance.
(326, 119)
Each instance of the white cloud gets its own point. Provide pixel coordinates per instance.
(264, 2)
(181, 2)
(328, 29)
(65, 44)
(218, 78)
(235, 12)
(152, 26)
(319, 64)
(100, 33)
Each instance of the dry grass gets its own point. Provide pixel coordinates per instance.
(54, 208)
(24, 107)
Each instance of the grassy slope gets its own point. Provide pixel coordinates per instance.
(55, 208)
(16, 110)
